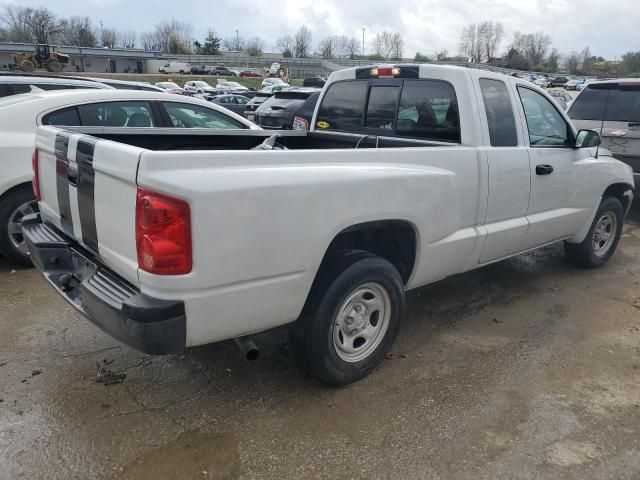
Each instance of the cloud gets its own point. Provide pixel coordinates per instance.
(608, 28)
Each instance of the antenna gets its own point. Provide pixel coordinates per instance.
(604, 115)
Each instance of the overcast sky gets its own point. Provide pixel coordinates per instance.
(609, 28)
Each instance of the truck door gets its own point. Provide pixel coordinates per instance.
(509, 172)
(561, 197)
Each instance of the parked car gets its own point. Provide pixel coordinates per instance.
(274, 68)
(222, 71)
(200, 70)
(235, 103)
(304, 114)
(277, 112)
(171, 87)
(558, 81)
(402, 181)
(316, 82)
(251, 73)
(199, 87)
(573, 84)
(251, 107)
(96, 107)
(562, 97)
(581, 86)
(12, 84)
(224, 86)
(620, 99)
(542, 82)
(267, 82)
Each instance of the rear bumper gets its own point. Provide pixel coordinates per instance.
(145, 323)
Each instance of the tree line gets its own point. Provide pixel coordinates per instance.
(479, 42)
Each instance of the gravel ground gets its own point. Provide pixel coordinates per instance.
(525, 369)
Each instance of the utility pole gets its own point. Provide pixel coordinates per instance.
(363, 41)
(238, 48)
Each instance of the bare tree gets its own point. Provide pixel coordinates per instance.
(77, 31)
(586, 60)
(108, 37)
(528, 49)
(168, 37)
(234, 44)
(42, 23)
(471, 43)
(303, 42)
(127, 39)
(352, 48)
(254, 46)
(388, 45)
(572, 62)
(285, 46)
(491, 34)
(17, 19)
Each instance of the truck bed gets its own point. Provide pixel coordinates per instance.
(207, 139)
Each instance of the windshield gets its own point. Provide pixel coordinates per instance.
(622, 103)
(168, 85)
(281, 103)
(201, 84)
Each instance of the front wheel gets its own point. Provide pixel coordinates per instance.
(351, 318)
(602, 240)
(13, 207)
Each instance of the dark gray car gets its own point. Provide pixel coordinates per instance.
(235, 103)
(278, 111)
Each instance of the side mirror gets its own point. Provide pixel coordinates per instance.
(587, 139)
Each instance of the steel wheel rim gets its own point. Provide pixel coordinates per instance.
(362, 322)
(604, 233)
(14, 227)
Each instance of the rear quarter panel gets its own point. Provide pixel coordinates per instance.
(262, 222)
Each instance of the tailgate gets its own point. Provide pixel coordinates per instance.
(88, 191)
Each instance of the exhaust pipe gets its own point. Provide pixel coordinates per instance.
(248, 348)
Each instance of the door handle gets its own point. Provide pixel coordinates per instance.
(544, 169)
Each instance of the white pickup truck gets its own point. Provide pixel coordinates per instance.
(408, 175)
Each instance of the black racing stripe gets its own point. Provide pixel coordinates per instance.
(86, 195)
(62, 183)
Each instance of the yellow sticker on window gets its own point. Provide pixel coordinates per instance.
(322, 124)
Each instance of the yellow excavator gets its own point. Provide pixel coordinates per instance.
(45, 57)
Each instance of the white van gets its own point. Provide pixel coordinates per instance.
(170, 67)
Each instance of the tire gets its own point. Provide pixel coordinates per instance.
(163, 72)
(27, 66)
(602, 240)
(181, 72)
(343, 334)
(13, 206)
(54, 66)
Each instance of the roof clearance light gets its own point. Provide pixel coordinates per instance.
(385, 72)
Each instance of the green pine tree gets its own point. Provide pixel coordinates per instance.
(211, 45)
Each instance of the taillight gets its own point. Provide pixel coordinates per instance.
(36, 174)
(300, 123)
(163, 233)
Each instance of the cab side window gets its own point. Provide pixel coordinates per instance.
(105, 114)
(499, 111)
(546, 126)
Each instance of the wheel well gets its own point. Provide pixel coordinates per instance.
(19, 186)
(618, 190)
(393, 240)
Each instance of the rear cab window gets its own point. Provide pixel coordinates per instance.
(421, 109)
(499, 111)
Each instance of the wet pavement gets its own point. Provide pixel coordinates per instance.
(529, 368)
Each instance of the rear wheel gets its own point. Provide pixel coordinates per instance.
(13, 207)
(603, 237)
(54, 66)
(163, 72)
(27, 66)
(351, 318)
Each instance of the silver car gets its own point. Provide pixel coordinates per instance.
(617, 102)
